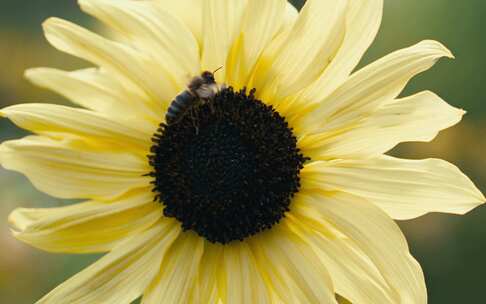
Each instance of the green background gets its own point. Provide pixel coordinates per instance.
(449, 248)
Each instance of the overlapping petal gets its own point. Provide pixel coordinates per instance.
(403, 188)
(376, 235)
(304, 52)
(363, 19)
(57, 120)
(122, 275)
(69, 169)
(416, 118)
(178, 272)
(369, 88)
(188, 11)
(155, 31)
(86, 227)
(206, 289)
(292, 268)
(96, 89)
(354, 275)
(218, 39)
(191, 13)
(261, 22)
(134, 68)
(248, 286)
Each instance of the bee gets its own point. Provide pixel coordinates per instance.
(200, 90)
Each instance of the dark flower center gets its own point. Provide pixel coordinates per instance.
(228, 169)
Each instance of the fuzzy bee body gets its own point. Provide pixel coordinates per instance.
(201, 89)
(179, 106)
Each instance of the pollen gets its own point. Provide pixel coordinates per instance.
(229, 170)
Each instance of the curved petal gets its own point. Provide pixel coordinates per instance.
(363, 19)
(221, 25)
(291, 15)
(86, 227)
(133, 66)
(206, 289)
(306, 51)
(416, 118)
(354, 275)
(191, 13)
(369, 88)
(70, 170)
(153, 30)
(241, 279)
(403, 188)
(57, 120)
(178, 271)
(97, 90)
(261, 22)
(122, 275)
(376, 235)
(290, 266)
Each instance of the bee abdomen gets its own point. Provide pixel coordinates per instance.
(178, 107)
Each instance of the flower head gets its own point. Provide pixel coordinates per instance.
(266, 184)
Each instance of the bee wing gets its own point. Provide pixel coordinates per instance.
(207, 91)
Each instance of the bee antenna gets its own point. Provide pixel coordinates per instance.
(217, 69)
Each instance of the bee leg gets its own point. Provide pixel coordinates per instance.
(191, 111)
(211, 106)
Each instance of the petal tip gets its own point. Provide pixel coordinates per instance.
(482, 198)
(85, 5)
(30, 74)
(15, 221)
(50, 21)
(37, 76)
(445, 52)
(53, 24)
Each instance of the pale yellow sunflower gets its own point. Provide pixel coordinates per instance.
(275, 190)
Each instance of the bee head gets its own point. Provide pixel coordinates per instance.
(208, 77)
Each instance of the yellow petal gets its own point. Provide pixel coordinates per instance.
(354, 275)
(120, 276)
(96, 89)
(243, 282)
(291, 15)
(416, 118)
(153, 30)
(376, 235)
(206, 289)
(178, 272)
(221, 25)
(308, 48)
(190, 12)
(61, 169)
(370, 87)
(56, 119)
(133, 66)
(261, 22)
(363, 20)
(86, 227)
(403, 188)
(292, 268)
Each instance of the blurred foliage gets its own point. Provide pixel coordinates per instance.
(450, 248)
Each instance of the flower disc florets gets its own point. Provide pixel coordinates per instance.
(229, 170)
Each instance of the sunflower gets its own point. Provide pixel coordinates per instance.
(276, 189)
